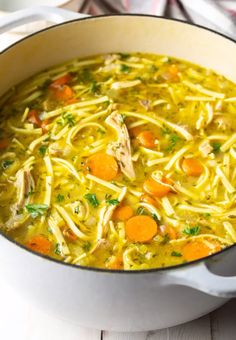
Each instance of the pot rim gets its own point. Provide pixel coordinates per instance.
(103, 270)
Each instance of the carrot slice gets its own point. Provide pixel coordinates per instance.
(116, 263)
(40, 244)
(123, 213)
(141, 228)
(63, 93)
(192, 167)
(148, 199)
(3, 143)
(103, 166)
(155, 188)
(68, 233)
(147, 139)
(61, 80)
(169, 231)
(34, 118)
(135, 131)
(44, 125)
(196, 250)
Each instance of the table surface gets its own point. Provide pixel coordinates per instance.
(22, 321)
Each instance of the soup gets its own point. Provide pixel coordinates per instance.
(120, 161)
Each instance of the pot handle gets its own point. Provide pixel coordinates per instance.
(201, 278)
(25, 16)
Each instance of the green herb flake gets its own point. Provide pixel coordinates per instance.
(154, 216)
(173, 140)
(42, 150)
(60, 198)
(141, 211)
(36, 210)
(192, 231)
(6, 163)
(86, 246)
(101, 131)
(124, 68)
(176, 254)
(77, 210)
(92, 199)
(66, 119)
(112, 201)
(207, 215)
(95, 87)
(216, 147)
(57, 249)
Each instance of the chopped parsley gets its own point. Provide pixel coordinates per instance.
(57, 249)
(154, 216)
(6, 163)
(42, 150)
(192, 231)
(216, 147)
(66, 119)
(101, 131)
(36, 210)
(173, 140)
(60, 198)
(176, 254)
(92, 199)
(141, 211)
(86, 246)
(207, 215)
(124, 68)
(77, 210)
(95, 87)
(112, 201)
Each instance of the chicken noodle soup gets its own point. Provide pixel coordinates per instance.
(120, 161)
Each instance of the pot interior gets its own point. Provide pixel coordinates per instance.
(122, 33)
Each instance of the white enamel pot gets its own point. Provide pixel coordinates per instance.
(126, 301)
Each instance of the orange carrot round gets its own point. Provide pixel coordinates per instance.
(192, 167)
(62, 93)
(148, 199)
(155, 188)
(3, 143)
(123, 213)
(68, 233)
(40, 244)
(34, 118)
(141, 228)
(116, 263)
(103, 166)
(196, 250)
(135, 131)
(147, 139)
(63, 80)
(169, 231)
(44, 125)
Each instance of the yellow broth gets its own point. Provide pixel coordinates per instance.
(121, 161)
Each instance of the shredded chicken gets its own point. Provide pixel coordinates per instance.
(24, 185)
(125, 84)
(205, 148)
(106, 214)
(121, 149)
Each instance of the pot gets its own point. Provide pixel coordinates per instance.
(103, 299)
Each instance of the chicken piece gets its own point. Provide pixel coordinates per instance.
(24, 185)
(121, 149)
(106, 214)
(205, 148)
(125, 84)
